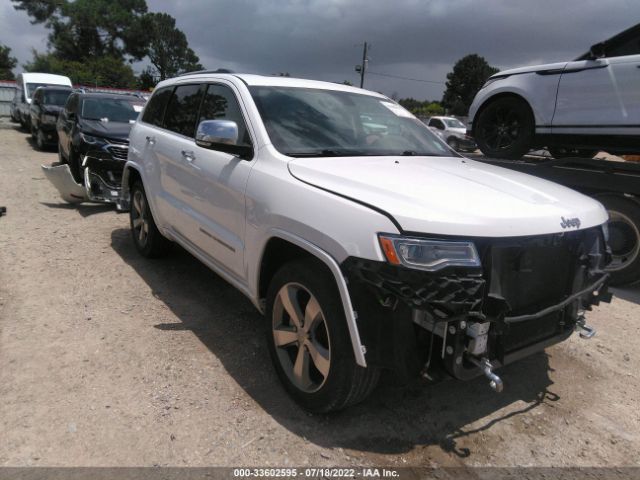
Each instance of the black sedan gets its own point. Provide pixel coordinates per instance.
(46, 104)
(93, 139)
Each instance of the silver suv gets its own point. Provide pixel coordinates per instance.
(366, 242)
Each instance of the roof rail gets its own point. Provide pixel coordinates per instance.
(219, 70)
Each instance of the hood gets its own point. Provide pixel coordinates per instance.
(52, 109)
(452, 196)
(531, 69)
(115, 130)
(460, 131)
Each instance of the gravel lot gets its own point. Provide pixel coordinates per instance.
(107, 359)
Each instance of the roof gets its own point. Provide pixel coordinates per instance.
(118, 96)
(271, 81)
(33, 77)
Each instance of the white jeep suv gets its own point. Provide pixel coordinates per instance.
(573, 108)
(366, 242)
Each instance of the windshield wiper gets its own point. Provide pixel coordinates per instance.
(413, 153)
(329, 152)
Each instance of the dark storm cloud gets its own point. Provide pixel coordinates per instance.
(411, 38)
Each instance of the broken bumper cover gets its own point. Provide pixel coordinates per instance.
(102, 176)
(531, 291)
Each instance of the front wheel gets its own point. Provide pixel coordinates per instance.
(454, 144)
(505, 128)
(146, 237)
(41, 144)
(624, 239)
(309, 340)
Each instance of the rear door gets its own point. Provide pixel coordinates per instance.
(173, 146)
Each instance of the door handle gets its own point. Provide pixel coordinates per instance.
(150, 140)
(188, 155)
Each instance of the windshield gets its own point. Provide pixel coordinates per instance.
(31, 88)
(110, 109)
(56, 97)
(313, 122)
(454, 123)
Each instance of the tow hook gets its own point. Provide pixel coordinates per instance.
(495, 381)
(585, 330)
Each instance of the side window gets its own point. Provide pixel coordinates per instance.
(182, 110)
(438, 124)
(220, 103)
(624, 48)
(72, 104)
(154, 111)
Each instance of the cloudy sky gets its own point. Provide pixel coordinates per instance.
(416, 39)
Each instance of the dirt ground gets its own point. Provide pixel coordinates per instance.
(108, 359)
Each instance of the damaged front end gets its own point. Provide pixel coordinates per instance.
(101, 173)
(526, 294)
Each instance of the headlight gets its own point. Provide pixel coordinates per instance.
(491, 80)
(90, 140)
(430, 255)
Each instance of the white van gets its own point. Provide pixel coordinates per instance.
(26, 85)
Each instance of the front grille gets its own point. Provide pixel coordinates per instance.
(119, 152)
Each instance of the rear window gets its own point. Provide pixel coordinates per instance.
(154, 111)
(182, 110)
(56, 97)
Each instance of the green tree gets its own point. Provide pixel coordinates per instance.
(468, 75)
(82, 29)
(168, 48)
(100, 71)
(7, 63)
(146, 79)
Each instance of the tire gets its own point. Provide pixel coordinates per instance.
(62, 160)
(505, 128)
(624, 239)
(453, 143)
(148, 240)
(334, 381)
(40, 142)
(74, 166)
(567, 152)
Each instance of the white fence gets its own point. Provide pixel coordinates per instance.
(7, 89)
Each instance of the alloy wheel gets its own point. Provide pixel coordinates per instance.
(301, 337)
(140, 222)
(502, 129)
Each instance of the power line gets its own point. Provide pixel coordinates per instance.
(404, 78)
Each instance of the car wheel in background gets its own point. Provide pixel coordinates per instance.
(144, 232)
(505, 128)
(41, 143)
(564, 152)
(61, 159)
(75, 166)
(624, 239)
(453, 143)
(309, 341)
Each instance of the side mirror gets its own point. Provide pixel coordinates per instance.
(217, 131)
(221, 135)
(597, 51)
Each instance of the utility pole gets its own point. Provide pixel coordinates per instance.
(363, 67)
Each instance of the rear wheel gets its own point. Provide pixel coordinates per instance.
(309, 340)
(144, 232)
(624, 239)
(566, 152)
(505, 128)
